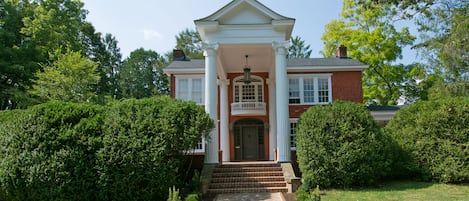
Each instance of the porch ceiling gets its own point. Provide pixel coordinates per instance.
(232, 57)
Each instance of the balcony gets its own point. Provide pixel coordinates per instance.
(248, 108)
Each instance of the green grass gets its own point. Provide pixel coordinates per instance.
(402, 191)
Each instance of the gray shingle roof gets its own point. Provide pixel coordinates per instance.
(324, 62)
(200, 63)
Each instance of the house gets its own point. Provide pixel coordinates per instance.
(250, 88)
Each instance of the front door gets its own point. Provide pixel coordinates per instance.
(250, 138)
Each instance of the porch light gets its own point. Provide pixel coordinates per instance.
(247, 72)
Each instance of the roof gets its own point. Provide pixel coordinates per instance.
(324, 62)
(311, 64)
(234, 3)
(382, 108)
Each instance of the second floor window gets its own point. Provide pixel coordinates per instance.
(310, 89)
(252, 92)
(190, 88)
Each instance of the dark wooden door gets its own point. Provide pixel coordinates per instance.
(250, 144)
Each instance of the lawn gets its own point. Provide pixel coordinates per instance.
(402, 191)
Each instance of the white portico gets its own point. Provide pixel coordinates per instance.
(246, 27)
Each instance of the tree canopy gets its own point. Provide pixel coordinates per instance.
(298, 48)
(141, 75)
(372, 39)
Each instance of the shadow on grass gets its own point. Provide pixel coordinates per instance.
(392, 186)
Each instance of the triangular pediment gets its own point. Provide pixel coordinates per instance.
(245, 21)
(245, 12)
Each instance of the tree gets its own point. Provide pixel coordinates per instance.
(71, 77)
(189, 41)
(142, 76)
(442, 25)
(372, 39)
(109, 62)
(18, 59)
(55, 24)
(298, 48)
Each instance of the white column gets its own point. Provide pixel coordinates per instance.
(281, 82)
(211, 101)
(224, 123)
(272, 118)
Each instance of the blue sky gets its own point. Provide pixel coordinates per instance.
(153, 24)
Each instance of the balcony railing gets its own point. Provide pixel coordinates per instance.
(248, 108)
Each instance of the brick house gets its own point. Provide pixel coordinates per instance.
(250, 88)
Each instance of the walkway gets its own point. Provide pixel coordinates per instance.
(250, 197)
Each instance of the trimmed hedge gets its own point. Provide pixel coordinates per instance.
(435, 137)
(340, 145)
(128, 150)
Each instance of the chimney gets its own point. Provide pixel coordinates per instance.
(341, 52)
(178, 55)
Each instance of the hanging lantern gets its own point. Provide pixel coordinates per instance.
(247, 72)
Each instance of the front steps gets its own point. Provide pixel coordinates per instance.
(252, 177)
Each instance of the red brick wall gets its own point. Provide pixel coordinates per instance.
(347, 86)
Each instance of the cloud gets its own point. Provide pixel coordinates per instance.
(151, 34)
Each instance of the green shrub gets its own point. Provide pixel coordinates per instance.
(128, 150)
(435, 137)
(173, 194)
(143, 143)
(48, 152)
(341, 145)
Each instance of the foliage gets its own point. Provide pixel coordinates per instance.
(191, 43)
(34, 33)
(435, 136)
(303, 195)
(173, 194)
(298, 49)
(371, 38)
(341, 145)
(151, 135)
(141, 75)
(48, 152)
(129, 150)
(70, 78)
(443, 26)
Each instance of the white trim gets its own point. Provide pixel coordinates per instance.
(190, 79)
(175, 71)
(315, 78)
(293, 120)
(325, 68)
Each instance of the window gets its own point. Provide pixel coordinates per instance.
(310, 89)
(293, 126)
(252, 92)
(190, 88)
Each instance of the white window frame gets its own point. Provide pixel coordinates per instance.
(315, 77)
(256, 88)
(189, 79)
(293, 133)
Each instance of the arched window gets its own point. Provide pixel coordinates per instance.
(252, 92)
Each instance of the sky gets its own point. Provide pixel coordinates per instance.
(153, 24)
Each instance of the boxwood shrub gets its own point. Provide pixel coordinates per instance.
(435, 136)
(128, 150)
(48, 152)
(340, 145)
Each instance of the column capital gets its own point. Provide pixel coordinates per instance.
(225, 82)
(270, 81)
(209, 48)
(281, 47)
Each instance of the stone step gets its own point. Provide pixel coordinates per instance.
(242, 165)
(248, 169)
(245, 174)
(248, 190)
(247, 179)
(248, 184)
